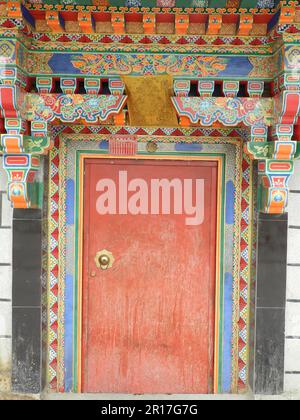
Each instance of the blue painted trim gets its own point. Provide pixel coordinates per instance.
(228, 296)
(69, 332)
(70, 199)
(230, 191)
(28, 16)
(188, 147)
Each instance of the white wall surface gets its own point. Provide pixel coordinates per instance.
(5, 283)
(292, 343)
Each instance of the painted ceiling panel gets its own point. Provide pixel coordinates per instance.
(164, 3)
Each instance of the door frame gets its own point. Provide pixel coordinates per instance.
(219, 250)
(234, 370)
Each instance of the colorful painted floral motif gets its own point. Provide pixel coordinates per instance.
(228, 111)
(188, 63)
(69, 108)
(292, 58)
(142, 64)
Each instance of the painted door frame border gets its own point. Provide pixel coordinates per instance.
(239, 168)
(79, 255)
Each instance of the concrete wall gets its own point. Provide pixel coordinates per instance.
(5, 284)
(292, 346)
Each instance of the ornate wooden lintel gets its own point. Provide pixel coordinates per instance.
(272, 120)
(229, 111)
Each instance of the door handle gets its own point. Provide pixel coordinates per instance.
(104, 259)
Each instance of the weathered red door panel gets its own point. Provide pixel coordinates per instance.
(148, 322)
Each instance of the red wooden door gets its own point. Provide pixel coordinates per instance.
(148, 321)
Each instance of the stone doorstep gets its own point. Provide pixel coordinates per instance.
(5, 389)
(115, 397)
(5, 382)
(18, 397)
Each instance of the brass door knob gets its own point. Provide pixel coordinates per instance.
(104, 259)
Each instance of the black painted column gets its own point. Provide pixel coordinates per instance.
(26, 301)
(270, 304)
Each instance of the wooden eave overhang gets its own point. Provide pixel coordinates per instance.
(178, 21)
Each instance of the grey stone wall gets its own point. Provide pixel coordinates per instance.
(292, 344)
(5, 283)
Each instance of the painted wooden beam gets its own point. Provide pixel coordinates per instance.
(14, 9)
(245, 24)
(287, 15)
(68, 85)
(214, 24)
(255, 89)
(55, 21)
(181, 24)
(118, 23)
(149, 23)
(86, 22)
(92, 86)
(231, 88)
